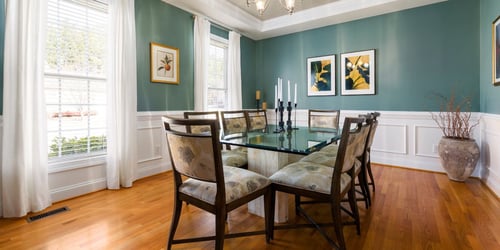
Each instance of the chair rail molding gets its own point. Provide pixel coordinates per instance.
(410, 139)
(415, 132)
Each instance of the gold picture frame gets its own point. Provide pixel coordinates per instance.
(495, 52)
(164, 63)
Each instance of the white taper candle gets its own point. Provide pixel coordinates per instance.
(289, 91)
(275, 96)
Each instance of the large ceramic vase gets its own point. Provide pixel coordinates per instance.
(458, 157)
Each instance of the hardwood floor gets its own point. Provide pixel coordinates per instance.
(411, 210)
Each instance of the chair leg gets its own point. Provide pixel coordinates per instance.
(354, 207)
(220, 226)
(365, 190)
(297, 204)
(272, 204)
(369, 168)
(267, 215)
(337, 224)
(175, 221)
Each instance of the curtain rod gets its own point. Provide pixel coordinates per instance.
(218, 25)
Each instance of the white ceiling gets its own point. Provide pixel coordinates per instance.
(309, 14)
(275, 9)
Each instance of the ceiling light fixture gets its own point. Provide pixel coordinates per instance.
(261, 5)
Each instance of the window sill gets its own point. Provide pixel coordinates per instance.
(71, 164)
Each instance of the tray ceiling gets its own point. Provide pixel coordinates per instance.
(309, 14)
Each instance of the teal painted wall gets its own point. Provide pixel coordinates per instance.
(490, 95)
(161, 23)
(218, 31)
(248, 69)
(419, 52)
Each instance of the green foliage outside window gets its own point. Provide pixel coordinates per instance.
(77, 145)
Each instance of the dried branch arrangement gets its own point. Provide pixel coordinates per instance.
(454, 118)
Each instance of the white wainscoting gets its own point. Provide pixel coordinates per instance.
(410, 139)
(406, 139)
(67, 181)
(490, 151)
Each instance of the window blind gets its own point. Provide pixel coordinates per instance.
(75, 78)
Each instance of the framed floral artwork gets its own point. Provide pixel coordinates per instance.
(321, 75)
(496, 51)
(164, 63)
(358, 73)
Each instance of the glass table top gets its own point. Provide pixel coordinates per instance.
(302, 140)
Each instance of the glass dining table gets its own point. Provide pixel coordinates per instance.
(269, 151)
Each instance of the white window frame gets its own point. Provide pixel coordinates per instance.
(223, 43)
(64, 163)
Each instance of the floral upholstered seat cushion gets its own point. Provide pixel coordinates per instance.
(309, 176)
(235, 125)
(234, 158)
(323, 158)
(330, 149)
(200, 129)
(323, 122)
(328, 160)
(239, 183)
(257, 122)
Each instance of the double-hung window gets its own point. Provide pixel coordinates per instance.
(217, 74)
(75, 79)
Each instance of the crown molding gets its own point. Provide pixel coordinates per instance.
(226, 14)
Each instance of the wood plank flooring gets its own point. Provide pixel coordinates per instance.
(411, 210)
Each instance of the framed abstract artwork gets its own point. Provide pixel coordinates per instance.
(358, 73)
(496, 52)
(321, 75)
(164, 63)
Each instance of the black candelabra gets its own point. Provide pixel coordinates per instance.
(289, 120)
(279, 110)
(295, 116)
(281, 124)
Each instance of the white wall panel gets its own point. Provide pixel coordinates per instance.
(490, 151)
(406, 139)
(391, 138)
(76, 181)
(426, 140)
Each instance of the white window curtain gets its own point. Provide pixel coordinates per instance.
(234, 72)
(24, 170)
(201, 47)
(122, 96)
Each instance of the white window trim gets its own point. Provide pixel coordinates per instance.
(66, 164)
(222, 42)
(69, 162)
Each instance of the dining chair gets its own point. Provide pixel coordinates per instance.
(325, 183)
(200, 179)
(234, 124)
(366, 161)
(256, 120)
(234, 158)
(328, 158)
(364, 172)
(323, 119)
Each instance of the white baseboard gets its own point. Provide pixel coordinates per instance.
(77, 189)
(405, 139)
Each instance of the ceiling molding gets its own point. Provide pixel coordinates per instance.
(226, 14)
